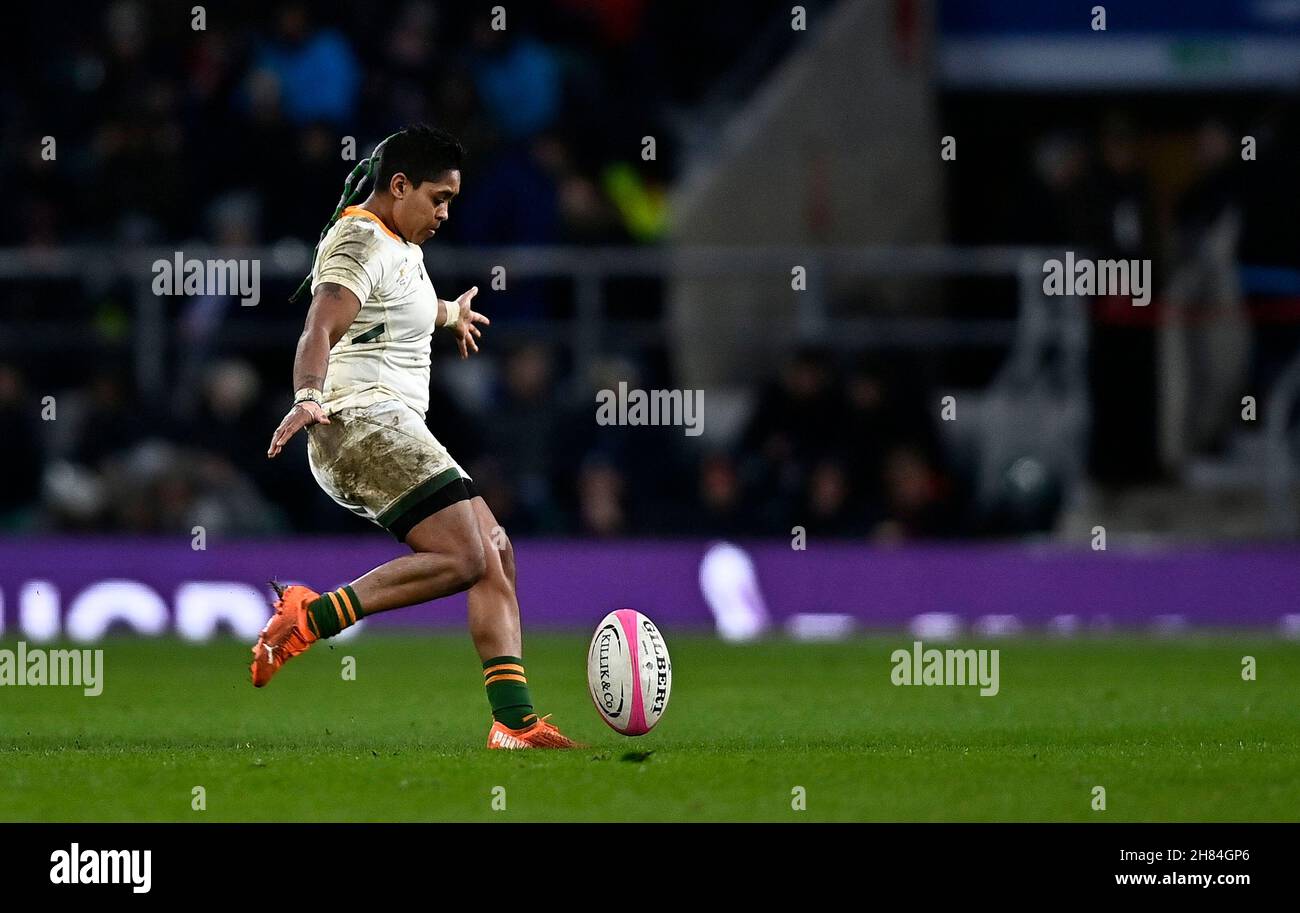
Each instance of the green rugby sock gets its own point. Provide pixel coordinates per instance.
(331, 612)
(507, 691)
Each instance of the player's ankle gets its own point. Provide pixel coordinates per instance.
(332, 612)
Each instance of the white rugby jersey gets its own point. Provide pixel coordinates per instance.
(385, 352)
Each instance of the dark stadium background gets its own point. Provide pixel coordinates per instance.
(823, 406)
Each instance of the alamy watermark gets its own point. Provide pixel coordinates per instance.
(77, 866)
(75, 668)
(920, 666)
(1083, 276)
(651, 407)
(186, 276)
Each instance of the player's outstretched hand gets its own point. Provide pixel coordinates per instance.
(466, 331)
(299, 417)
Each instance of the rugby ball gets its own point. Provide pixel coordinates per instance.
(629, 673)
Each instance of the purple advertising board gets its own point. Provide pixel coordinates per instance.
(85, 588)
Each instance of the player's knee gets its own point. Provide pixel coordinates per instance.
(471, 564)
(506, 552)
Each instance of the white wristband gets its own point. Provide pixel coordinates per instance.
(308, 393)
(453, 313)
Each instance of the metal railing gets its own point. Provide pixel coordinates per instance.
(587, 268)
(1045, 343)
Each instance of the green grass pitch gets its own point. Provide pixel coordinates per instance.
(1168, 727)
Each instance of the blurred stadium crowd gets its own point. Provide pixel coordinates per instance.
(233, 137)
(842, 453)
(1159, 178)
(234, 133)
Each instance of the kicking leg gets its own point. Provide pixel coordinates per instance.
(448, 558)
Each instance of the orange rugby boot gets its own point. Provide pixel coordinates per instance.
(286, 634)
(539, 734)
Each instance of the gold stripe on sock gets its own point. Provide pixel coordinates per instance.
(337, 610)
(506, 677)
(504, 667)
(347, 604)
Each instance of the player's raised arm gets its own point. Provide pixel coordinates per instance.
(333, 308)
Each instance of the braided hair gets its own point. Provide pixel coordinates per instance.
(352, 190)
(424, 153)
